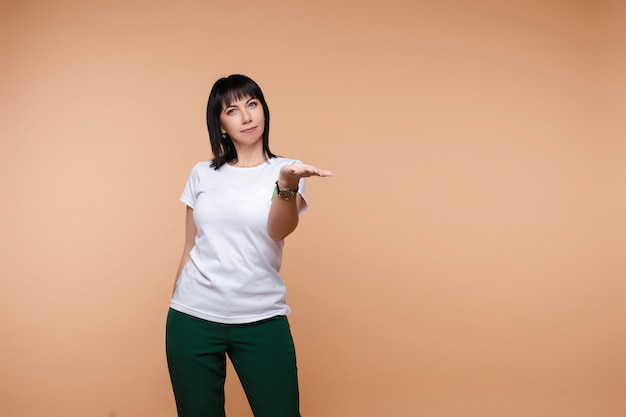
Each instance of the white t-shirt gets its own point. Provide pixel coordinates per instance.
(232, 276)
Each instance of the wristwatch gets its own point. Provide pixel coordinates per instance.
(285, 193)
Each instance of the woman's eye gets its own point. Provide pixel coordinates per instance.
(230, 111)
(253, 104)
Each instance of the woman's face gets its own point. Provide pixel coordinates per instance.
(243, 121)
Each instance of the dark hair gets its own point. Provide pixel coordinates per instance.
(226, 91)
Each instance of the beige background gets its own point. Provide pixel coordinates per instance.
(467, 258)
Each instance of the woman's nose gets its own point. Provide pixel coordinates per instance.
(246, 117)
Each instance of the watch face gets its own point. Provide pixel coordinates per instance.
(286, 194)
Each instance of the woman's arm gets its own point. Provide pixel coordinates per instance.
(190, 240)
(283, 217)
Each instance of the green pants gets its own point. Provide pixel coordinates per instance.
(262, 354)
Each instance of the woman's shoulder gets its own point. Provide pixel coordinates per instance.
(201, 169)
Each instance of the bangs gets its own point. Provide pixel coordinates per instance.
(235, 88)
(237, 94)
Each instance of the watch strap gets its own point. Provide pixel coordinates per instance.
(286, 193)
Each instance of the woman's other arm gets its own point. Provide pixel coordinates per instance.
(190, 240)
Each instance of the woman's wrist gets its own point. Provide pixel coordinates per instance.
(287, 184)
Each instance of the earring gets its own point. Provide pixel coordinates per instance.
(223, 135)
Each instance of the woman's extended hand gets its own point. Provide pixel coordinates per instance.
(290, 174)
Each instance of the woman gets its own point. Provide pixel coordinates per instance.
(229, 298)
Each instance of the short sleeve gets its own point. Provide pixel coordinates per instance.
(190, 195)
